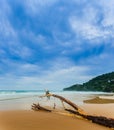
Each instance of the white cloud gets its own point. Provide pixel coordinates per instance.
(87, 22)
(89, 31)
(36, 6)
(56, 79)
(60, 74)
(21, 69)
(7, 32)
(38, 40)
(90, 14)
(29, 69)
(20, 51)
(63, 73)
(72, 73)
(86, 30)
(108, 12)
(95, 22)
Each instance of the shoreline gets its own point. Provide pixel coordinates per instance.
(22, 119)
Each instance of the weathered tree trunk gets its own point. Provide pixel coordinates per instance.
(68, 102)
(37, 107)
(108, 122)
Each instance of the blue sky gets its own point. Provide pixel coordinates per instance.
(54, 43)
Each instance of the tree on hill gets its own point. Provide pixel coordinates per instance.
(104, 83)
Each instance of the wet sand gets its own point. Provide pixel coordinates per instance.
(100, 100)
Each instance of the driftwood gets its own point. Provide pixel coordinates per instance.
(108, 122)
(67, 101)
(37, 107)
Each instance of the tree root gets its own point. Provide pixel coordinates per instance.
(37, 107)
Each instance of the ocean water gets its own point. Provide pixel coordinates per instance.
(23, 99)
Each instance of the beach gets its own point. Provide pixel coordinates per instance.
(29, 120)
(23, 118)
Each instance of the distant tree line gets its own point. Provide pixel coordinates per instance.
(104, 83)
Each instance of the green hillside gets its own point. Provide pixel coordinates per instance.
(104, 83)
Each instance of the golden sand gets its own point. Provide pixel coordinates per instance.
(37, 120)
(30, 120)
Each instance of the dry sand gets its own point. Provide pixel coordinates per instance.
(29, 120)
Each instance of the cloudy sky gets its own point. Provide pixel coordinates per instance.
(54, 43)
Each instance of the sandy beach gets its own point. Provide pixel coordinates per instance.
(30, 120)
(26, 119)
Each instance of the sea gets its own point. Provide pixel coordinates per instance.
(23, 99)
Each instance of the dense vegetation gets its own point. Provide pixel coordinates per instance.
(104, 83)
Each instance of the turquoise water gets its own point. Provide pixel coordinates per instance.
(23, 99)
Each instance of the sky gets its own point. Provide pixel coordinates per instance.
(54, 44)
